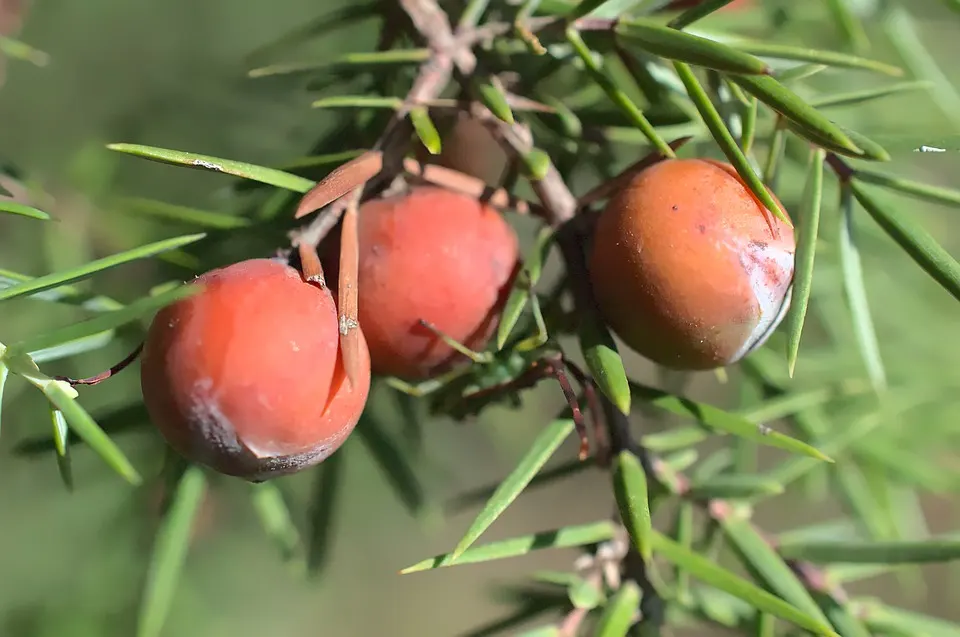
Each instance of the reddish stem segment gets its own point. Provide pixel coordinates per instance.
(102, 376)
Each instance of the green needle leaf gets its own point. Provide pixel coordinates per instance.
(815, 56)
(86, 427)
(691, 49)
(584, 7)
(674, 438)
(907, 37)
(4, 373)
(630, 490)
(542, 631)
(935, 194)
(799, 72)
(22, 51)
(866, 95)
(560, 538)
(734, 486)
(620, 612)
(72, 348)
(472, 13)
(425, 129)
(353, 61)
(549, 476)
(539, 453)
(117, 421)
(314, 29)
(82, 272)
(718, 419)
(603, 360)
(848, 24)
(269, 176)
(709, 572)
(15, 208)
(322, 517)
(536, 163)
(726, 142)
(183, 214)
(845, 573)
(807, 231)
(787, 405)
(870, 149)
(170, 552)
(787, 103)
(359, 101)
(63, 397)
(846, 623)
(584, 594)
(915, 241)
(63, 294)
(63, 449)
(953, 4)
(528, 279)
(884, 619)
(494, 99)
(277, 521)
(398, 467)
(856, 294)
(103, 322)
(866, 552)
(696, 12)
(616, 95)
(769, 567)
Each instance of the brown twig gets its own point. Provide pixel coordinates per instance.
(843, 170)
(559, 207)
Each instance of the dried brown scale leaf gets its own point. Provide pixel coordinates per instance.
(310, 263)
(340, 181)
(347, 288)
(469, 185)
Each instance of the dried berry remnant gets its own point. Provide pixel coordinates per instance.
(688, 268)
(245, 376)
(431, 255)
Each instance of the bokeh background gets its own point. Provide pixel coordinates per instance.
(172, 74)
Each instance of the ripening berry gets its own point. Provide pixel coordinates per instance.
(245, 376)
(688, 268)
(434, 255)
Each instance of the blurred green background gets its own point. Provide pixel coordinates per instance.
(172, 74)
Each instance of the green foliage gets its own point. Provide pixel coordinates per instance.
(572, 89)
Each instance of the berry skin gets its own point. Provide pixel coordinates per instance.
(686, 268)
(245, 376)
(434, 255)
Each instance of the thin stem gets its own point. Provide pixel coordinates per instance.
(102, 376)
